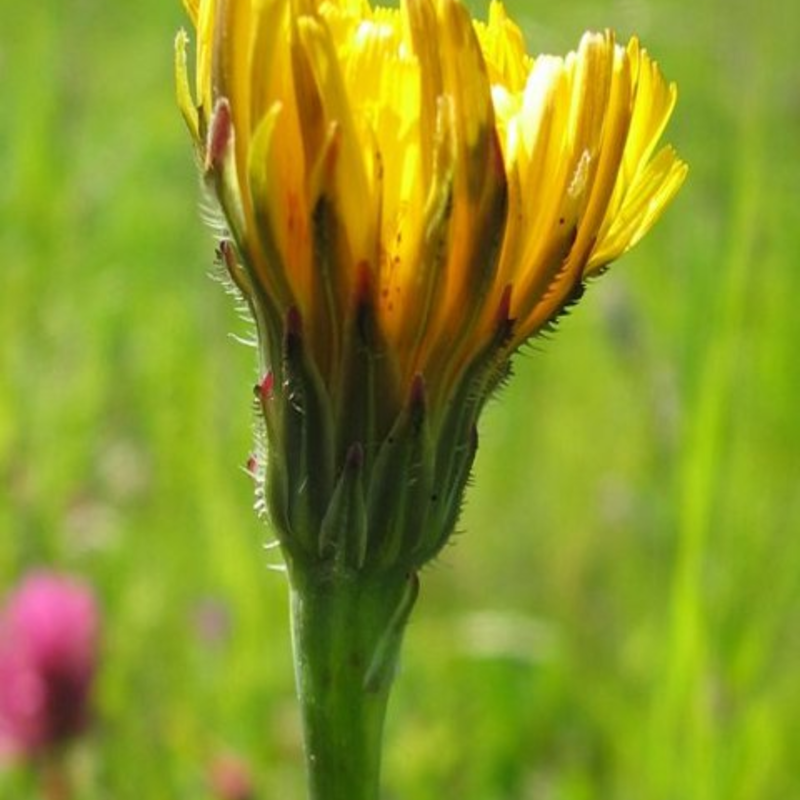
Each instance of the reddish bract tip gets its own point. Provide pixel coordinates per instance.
(294, 322)
(220, 132)
(496, 155)
(503, 313)
(252, 466)
(266, 386)
(228, 254)
(363, 300)
(417, 395)
(417, 400)
(363, 283)
(355, 457)
(292, 334)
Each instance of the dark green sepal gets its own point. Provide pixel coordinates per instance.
(327, 288)
(575, 294)
(474, 387)
(367, 392)
(447, 508)
(457, 438)
(399, 493)
(275, 489)
(261, 306)
(343, 533)
(305, 437)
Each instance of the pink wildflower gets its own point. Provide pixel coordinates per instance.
(48, 657)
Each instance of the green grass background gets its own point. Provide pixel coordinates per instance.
(620, 619)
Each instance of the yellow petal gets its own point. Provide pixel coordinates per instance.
(205, 49)
(467, 82)
(644, 203)
(351, 181)
(270, 67)
(424, 34)
(186, 102)
(279, 222)
(233, 38)
(503, 49)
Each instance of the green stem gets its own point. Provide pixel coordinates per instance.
(346, 629)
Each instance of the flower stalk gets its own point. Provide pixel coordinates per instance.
(346, 631)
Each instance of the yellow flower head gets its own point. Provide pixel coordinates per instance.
(409, 197)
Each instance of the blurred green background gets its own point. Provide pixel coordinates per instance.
(621, 619)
